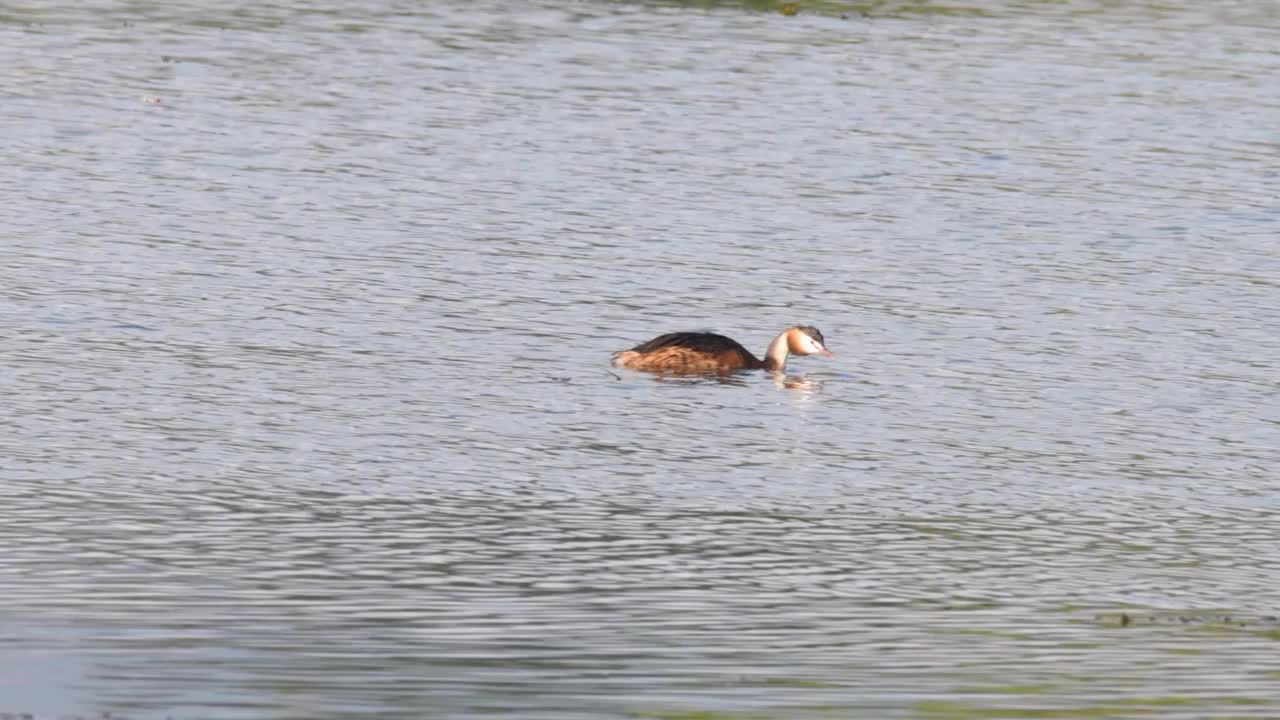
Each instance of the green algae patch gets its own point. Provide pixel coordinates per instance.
(1157, 701)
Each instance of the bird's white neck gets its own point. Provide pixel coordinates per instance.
(775, 358)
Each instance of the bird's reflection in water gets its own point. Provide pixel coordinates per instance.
(682, 379)
(796, 382)
(787, 382)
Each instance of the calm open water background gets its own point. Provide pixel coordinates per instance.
(306, 408)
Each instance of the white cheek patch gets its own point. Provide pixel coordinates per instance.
(810, 345)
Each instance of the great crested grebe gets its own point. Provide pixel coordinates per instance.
(700, 352)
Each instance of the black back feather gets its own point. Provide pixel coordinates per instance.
(697, 341)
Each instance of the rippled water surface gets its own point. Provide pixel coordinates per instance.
(307, 311)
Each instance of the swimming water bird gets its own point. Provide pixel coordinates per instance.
(701, 352)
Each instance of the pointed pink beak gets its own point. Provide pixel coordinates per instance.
(826, 353)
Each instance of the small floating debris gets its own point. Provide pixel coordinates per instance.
(1191, 617)
(150, 99)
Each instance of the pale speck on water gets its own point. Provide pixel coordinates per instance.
(307, 310)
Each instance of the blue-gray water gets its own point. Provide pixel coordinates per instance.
(307, 310)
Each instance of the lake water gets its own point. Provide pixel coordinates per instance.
(307, 311)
